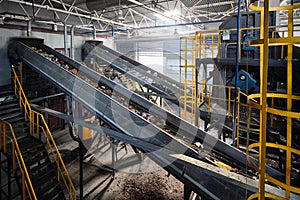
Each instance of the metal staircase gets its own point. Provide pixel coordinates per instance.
(10, 110)
(41, 171)
(27, 171)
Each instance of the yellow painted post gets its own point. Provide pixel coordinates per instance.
(289, 103)
(37, 126)
(58, 174)
(263, 90)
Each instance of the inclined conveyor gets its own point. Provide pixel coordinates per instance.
(197, 172)
(159, 83)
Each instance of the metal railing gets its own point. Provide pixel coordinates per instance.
(38, 125)
(188, 54)
(22, 97)
(287, 112)
(16, 158)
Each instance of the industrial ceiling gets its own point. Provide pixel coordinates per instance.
(127, 16)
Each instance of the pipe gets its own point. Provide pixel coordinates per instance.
(72, 43)
(65, 39)
(166, 26)
(247, 5)
(236, 72)
(70, 125)
(94, 33)
(29, 32)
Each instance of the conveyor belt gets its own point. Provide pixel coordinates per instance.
(198, 178)
(142, 74)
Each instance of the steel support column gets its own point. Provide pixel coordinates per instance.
(80, 132)
(72, 43)
(264, 52)
(65, 39)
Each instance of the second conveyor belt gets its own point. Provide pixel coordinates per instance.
(186, 169)
(145, 76)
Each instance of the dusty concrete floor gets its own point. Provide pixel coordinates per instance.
(134, 178)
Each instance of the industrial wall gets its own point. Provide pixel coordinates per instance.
(162, 54)
(52, 39)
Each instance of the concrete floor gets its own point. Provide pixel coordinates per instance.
(135, 178)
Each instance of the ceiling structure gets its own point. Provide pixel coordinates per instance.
(125, 17)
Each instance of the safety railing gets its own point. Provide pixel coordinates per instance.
(247, 131)
(223, 96)
(20, 93)
(288, 149)
(208, 40)
(286, 112)
(17, 158)
(38, 125)
(188, 54)
(226, 98)
(219, 93)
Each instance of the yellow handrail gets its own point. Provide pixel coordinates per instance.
(37, 124)
(22, 97)
(16, 156)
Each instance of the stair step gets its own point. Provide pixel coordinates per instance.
(13, 104)
(36, 159)
(20, 124)
(18, 129)
(47, 182)
(39, 167)
(56, 193)
(10, 111)
(9, 116)
(15, 119)
(43, 174)
(48, 186)
(30, 146)
(6, 93)
(9, 101)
